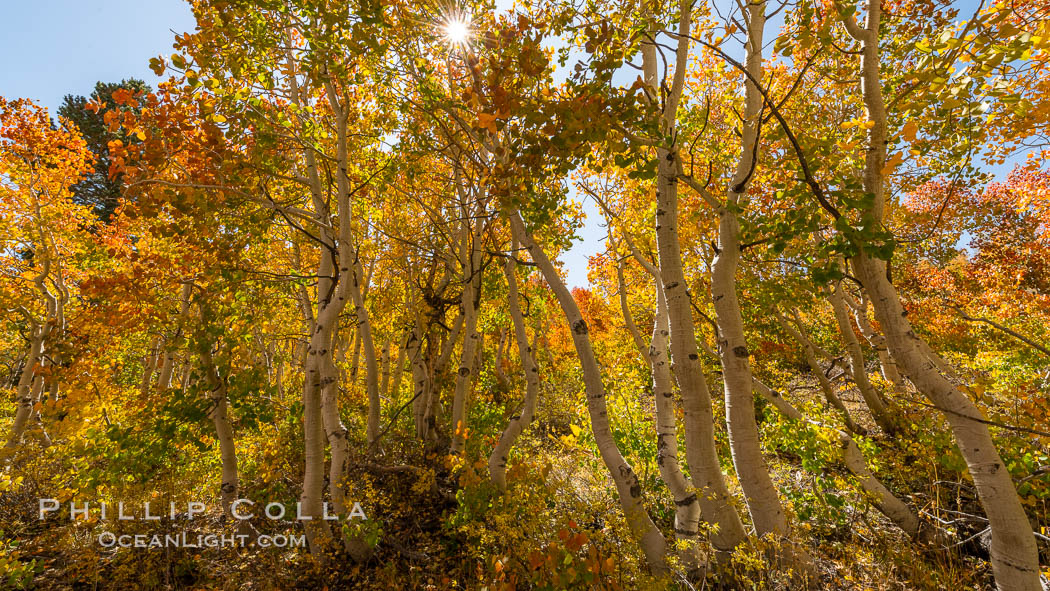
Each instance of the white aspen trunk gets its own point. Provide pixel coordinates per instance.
(349, 269)
(856, 368)
(52, 394)
(350, 377)
(437, 360)
(219, 414)
(279, 378)
(809, 351)
(364, 339)
(700, 450)
(399, 369)
(687, 506)
(167, 367)
(39, 386)
(149, 364)
(885, 501)
(773, 397)
(761, 495)
(184, 377)
(384, 384)
(630, 490)
(42, 334)
(465, 373)
(497, 366)
(518, 423)
(1014, 555)
(24, 392)
(887, 365)
(448, 347)
(335, 432)
(420, 381)
(1015, 558)
(628, 318)
(317, 531)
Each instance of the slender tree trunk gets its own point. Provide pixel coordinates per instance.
(335, 432)
(317, 531)
(167, 367)
(219, 414)
(627, 485)
(687, 506)
(809, 351)
(465, 373)
(762, 500)
(364, 332)
(437, 361)
(497, 366)
(761, 495)
(399, 368)
(149, 365)
(628, 318)
(887, 365)
(384, 383)
(24, 398)
(1014, 556)
(700, 449)
(518, 423)
(879, 412)
(420, 382)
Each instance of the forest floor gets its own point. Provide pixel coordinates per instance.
(437, 526)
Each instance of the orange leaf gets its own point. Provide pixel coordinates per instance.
(487, 121)
(909, 130)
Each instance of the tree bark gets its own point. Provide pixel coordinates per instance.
(219, 414)
(761, 495)
(630, 490)
(518, 423)
(399, 368)
(687, 505)
(879, 412)
(465, 373)
(24, 397)
(700, 450)
(1014, 556)
(887, 365)
(628, 318)
(809, 351)
(364, 332)
(167, 367)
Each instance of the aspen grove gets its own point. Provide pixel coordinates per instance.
(311, 283)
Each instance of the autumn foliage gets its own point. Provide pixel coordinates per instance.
(813, 351)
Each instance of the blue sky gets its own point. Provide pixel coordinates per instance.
(59, 47)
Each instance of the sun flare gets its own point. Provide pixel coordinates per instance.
(457, 29)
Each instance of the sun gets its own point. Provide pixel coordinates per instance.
(456, 29)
